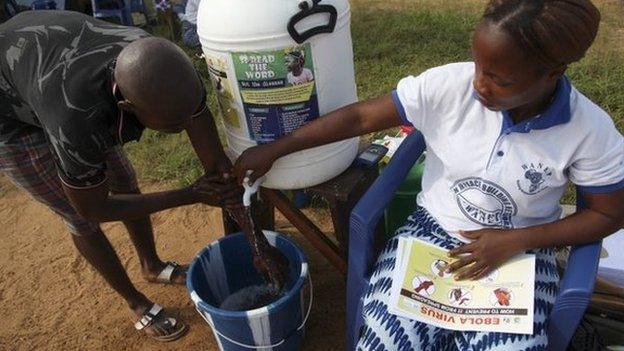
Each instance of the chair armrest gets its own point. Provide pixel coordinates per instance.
(367, 212)
(364, 219)
(575, 290)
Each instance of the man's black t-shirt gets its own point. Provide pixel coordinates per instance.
(56, 76)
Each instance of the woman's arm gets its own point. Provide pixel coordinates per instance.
(347, 122)
(603, 216)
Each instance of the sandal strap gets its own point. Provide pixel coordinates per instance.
(168, 325)
(148, 317)
(167, 272)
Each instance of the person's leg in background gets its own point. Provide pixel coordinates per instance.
(189, 34)
(28, 162)
(8, 9)
(122, 180)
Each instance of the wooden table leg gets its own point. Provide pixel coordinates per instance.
(340, 212)
(307, 228)
(342, 194)
(266, 215)
(229, 225)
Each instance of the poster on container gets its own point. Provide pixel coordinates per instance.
(278, 90)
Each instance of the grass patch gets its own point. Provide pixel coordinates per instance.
(395, 38)
(165, 158)
(389, 44)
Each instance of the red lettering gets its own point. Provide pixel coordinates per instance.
(463, 320)
(479, 321)
(423, 309)
(496, 320)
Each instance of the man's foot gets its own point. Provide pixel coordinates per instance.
(167, 273)
(158, 324)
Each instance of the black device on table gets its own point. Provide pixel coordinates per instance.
(371, 155)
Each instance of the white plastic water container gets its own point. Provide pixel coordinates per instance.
(276, 65)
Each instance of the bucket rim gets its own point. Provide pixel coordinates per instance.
(258, 312)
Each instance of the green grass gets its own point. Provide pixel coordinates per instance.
(395, 38)
(389, 45)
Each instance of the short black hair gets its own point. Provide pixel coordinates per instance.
(553, 32)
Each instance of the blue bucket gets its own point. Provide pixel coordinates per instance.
(223, 268)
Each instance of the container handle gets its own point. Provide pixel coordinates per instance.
(303, 323)
(307, 10)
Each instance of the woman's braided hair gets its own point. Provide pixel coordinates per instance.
(553, 32)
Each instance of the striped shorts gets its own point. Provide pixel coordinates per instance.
(29, 164)
(384, 331)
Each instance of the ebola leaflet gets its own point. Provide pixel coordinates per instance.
(422, 290)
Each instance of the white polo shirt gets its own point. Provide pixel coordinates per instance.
(484, 171)
(305, 77)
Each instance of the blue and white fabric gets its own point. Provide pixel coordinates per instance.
(383, 331)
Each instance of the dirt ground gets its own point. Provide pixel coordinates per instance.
(52, 300)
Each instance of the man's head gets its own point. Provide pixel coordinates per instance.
(294, 60)
(159, 84)
(521, 47)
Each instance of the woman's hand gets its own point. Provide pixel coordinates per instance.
(346, 122)
(258, 159)
(489, 249)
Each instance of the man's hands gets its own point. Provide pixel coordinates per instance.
(223, 166)
(217, 190)
(489, 249)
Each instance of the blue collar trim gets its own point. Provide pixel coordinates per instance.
(557, 113)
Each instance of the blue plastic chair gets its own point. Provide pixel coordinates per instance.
(576, 286)
(120, 9)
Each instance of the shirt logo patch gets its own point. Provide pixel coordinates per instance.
(534, 179)
(484, 202)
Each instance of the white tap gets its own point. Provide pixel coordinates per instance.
(250, 189)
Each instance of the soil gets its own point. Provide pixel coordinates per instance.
(51, 299)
